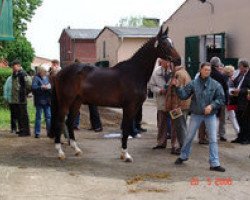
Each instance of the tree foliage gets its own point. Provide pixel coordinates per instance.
(138, 21)
(20, 48)
(23, 11)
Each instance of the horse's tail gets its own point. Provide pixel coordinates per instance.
(54, 111)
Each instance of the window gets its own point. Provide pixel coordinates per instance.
(214, 41)
(104, 49)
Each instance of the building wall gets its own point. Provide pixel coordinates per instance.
(196, 19)
(129, 47)
(65, 50)
(84, 50)
(37, 61)
(71, 49)
(117, 49)
(112, 43)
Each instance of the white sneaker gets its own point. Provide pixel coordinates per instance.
(138, 135)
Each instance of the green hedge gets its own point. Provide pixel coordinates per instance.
(4, 74)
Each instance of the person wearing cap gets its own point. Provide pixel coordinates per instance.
(158, 85)
(21, 86)
(41, 89)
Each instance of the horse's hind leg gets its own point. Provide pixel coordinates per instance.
(126, 130)
(59, 126)
(74, 109)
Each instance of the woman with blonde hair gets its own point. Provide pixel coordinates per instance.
(232, 102)
(42, 99)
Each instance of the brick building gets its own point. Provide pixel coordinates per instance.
(78, 44)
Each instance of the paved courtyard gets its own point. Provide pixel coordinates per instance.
(30, 170)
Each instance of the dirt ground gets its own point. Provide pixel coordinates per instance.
(30, 170)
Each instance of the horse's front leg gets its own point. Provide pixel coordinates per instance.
(59, 128)
(127, 128)
(70, 124)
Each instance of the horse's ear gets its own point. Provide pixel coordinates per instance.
(160, 32)
(166, 31)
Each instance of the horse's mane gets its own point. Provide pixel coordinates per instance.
(139, 56)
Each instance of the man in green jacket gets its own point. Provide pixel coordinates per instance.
(16, 90)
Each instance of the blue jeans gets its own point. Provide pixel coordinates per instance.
(211, 126)
(47, 114)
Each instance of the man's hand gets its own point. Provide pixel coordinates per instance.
(44, 87)
(235, 92)
(174, 82)
(163, 91)
(208, 109)
(248, 97)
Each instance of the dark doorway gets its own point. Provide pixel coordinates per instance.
(192, 55)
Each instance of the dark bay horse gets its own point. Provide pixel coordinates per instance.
(123, 86)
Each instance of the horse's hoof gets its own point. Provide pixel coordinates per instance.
(61, 157)
(126, 158)
(78, 153)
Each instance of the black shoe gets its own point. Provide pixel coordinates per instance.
(179, 161)
(37, 136)
(217, 169)
(142, 130)
(23, 135)
(222, 139)
(175, 151)
(76, 128)
(245, 142)
(98, 129)
(203, 142)
(159, 147)
(237, 140)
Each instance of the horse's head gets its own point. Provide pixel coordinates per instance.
(165, 47)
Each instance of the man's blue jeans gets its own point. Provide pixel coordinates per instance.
(211, 126)
(47, 113)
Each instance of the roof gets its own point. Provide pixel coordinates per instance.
(132, 32)
(82, 33)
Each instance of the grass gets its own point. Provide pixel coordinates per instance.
(5, 116)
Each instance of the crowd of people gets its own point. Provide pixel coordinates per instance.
(217, 92)
(20, 84)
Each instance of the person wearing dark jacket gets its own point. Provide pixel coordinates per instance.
(242, 90)
(21, 86)
(41, 89)
(223, 80)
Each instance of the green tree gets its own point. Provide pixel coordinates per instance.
(132, 21)
(23, 11)
(20, 49)
(138, 21)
